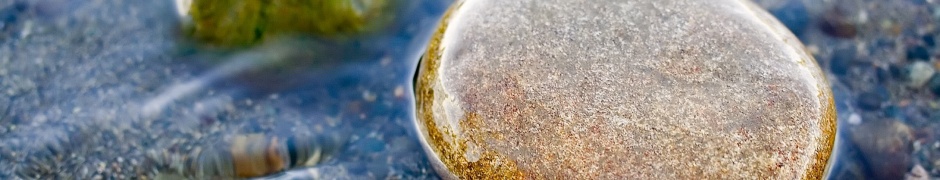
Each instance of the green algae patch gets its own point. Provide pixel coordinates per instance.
(240, 23)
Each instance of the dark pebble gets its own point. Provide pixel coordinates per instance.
(899, 73)
(794, 15)
(884, 74)
(934, 84)
(893, 111)
(918, 53)
(870, 101)
(836, 24)
(10, 14)
(841, 60)
(886, 145)
(929, 41)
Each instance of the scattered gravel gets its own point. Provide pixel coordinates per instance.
(76, 76)
(881, 57)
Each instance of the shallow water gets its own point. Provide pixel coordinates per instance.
(887, 126)
(89, 88)
(93, 89)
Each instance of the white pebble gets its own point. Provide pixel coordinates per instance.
(855, 119)
(920, 73)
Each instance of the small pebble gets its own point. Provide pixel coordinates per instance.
(399, 91)
(934, 84)
(870, 101)
(836, 23)
(919, 53)
(929, 41)
(920, 73)
(369, 96)
(855, 119)
(884, 74)
(899, 73)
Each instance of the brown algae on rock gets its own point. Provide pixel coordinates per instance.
(621, 89)
(447, 148)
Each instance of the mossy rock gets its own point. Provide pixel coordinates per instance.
(633, 89)
(240, 23)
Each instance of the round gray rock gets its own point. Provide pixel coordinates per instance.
(558, 89)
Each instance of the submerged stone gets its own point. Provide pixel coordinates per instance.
(248, 22)
(886, 146)
(559, 89)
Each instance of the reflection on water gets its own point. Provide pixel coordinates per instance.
(109, 89)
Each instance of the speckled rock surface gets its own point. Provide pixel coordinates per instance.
(615, 89)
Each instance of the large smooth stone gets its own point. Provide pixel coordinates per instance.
(561, 89)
